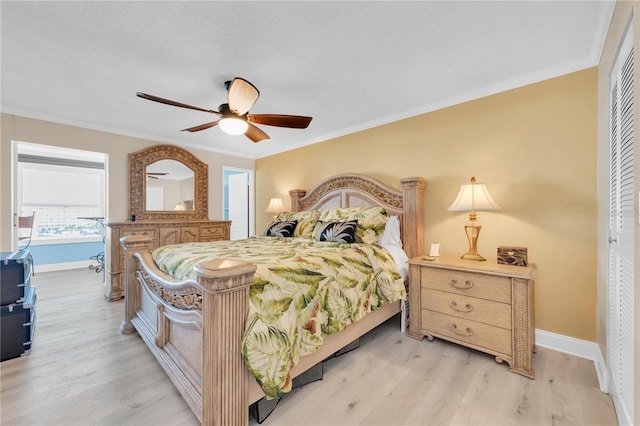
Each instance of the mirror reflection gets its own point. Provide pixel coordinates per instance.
(169, 186)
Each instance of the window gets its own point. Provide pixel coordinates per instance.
(61, 191)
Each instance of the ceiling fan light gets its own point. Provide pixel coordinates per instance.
(233, 126)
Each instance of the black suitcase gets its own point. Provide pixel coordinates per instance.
(15, 276)
(18, 324)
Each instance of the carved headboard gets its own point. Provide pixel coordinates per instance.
(356, 190)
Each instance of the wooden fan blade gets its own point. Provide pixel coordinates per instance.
(201, 127)
(255, 134)
(173, 103)
(280, 120)
(241, 96)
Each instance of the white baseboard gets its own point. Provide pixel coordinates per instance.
(579, 348)
(63, 266)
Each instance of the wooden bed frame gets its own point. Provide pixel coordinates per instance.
(195, 328)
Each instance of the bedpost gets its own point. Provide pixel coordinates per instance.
(296, 195)
(412, 218)
(132, 244)
(225, 306)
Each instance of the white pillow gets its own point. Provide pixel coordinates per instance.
(401, 259)
(391, 235)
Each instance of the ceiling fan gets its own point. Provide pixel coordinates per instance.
(154, 175)
(235, 118)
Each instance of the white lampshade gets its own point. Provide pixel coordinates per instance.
(275, 206)
(179, 206)
(233, 126)
(473, 196)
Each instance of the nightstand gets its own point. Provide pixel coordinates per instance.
(481, 305)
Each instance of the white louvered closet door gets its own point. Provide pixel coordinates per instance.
(621, 251)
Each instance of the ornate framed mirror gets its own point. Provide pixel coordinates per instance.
(167, 182)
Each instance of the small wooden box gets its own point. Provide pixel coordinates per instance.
(516, 256)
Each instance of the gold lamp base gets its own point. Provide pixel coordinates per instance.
(472, 229)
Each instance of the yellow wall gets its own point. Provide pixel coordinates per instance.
(534, 147)
(117, 148)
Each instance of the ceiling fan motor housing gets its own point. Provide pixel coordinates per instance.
(226, 111)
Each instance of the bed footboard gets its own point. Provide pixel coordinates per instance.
(194, 329)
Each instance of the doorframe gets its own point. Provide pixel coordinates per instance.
(251, 195)
(14, 193)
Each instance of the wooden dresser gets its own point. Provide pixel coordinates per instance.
(481, 305)
(162, 233)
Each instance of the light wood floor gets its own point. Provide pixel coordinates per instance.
(75, 376)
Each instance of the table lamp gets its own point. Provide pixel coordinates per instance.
(275, 206)
(473, 196)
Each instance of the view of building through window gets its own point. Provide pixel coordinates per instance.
(63, 221)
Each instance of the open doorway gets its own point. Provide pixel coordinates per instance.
(65, 190)
(238, 202)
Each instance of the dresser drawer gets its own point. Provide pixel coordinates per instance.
(212, 233)
(485, 311)
(467, 284)
(495, 339)
(147, 232)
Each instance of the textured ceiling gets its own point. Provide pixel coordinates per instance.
(350, 65)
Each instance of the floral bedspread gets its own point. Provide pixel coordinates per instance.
(302, 291)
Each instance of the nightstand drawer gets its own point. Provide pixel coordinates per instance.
(481, 310)
(467, 284)
(495, 339)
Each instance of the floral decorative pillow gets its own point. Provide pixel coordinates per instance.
(339, 232)
(283, 228)
(306, 222)
(371, 221)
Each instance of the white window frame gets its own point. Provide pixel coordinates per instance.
(23, 166)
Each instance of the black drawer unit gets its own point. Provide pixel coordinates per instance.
(18, 324)
(18, 304)
(15, 276)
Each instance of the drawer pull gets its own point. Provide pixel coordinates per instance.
(454, 306)
(467, 332)
(466, 286)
